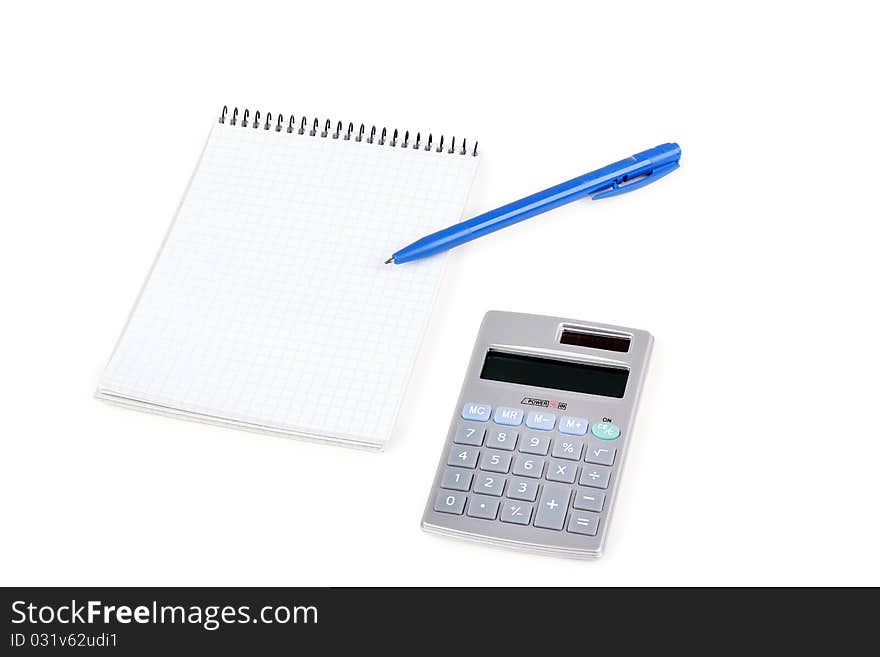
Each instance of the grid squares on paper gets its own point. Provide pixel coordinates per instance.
(270, 303)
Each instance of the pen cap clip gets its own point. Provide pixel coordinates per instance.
(623, 187)
(646, 167)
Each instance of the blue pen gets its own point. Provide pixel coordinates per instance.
(637, 171)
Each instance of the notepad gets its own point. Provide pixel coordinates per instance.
(269, 306)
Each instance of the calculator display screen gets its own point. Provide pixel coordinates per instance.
(556, 374)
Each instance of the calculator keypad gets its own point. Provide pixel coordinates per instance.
(551, 476)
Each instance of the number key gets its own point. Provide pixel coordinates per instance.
(456, 479)
(501, 438)
(465, 457)
(489, 484)
(522, 489)
(495, 461)
(526, 466)
(533, 444)
(447, 502)
(469, 434)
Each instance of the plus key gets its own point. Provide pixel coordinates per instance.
(552, 507)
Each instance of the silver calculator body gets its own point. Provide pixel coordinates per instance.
(536, 447)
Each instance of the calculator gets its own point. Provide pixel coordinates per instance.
(536, 447)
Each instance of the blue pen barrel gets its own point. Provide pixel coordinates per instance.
(643, 168)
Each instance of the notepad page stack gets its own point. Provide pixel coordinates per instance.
(269, 306)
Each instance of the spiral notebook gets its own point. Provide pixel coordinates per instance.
(269, 306)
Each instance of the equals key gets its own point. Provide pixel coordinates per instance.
(584, 523)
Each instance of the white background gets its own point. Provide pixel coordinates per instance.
(756, 451)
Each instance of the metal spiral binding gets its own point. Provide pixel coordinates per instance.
(346, 134)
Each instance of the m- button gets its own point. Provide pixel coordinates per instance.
(541, 421)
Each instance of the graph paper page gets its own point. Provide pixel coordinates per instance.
(269, 303)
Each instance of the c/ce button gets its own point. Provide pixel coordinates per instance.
(606, 430)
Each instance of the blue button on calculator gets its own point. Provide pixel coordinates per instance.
(509, 417)
(573, 426)
(478, 412)
(541, 420)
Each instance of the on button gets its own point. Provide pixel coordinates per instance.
(606, 430)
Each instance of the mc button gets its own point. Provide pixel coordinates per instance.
(478, 412)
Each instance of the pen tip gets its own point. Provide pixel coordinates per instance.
(390, 261)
